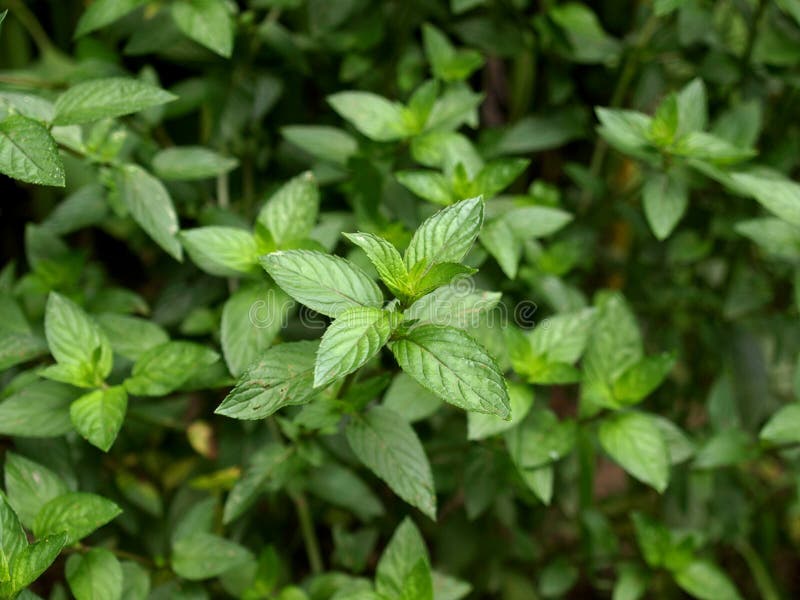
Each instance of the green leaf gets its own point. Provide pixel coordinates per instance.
(95, 575)
(373, 115)
(165, 368)
(135, 581)
(626, 130)
(635, 442)
(104, 12)
(457, 305)
(30, 486)
(342, 487)
(665, 200)
(191, 162)
(98, 415)
(76, 514)
(76, 341)
(150, 206)
(28, 152)
(563, 337)
(654, 540)
(33, 560)
(324, 283)
(615, 343)
(783, 427)
(283, 377)
(452, 365)
(638, 381)
(109, 97)
(448, 63)
(541, 440)
(251, 318)
(39, 410)
(12, 539)
(385, 258)
(205, 555)
(481, 425)
(498, 175)
(410, 400)
(418, 584)
(448, 235)
(321, 141)
(131, 336)
(425, 278)
(388, 445)
(775, 236)
(207, 22)
(291, 212)
(352, 339)
(706, 581)
(724, 449)
(263, 465)
(222, 251)
(588, 42)
(402, 553)
(776, 193)
(692, 107)
(631, 583)
(429, 185)
(708, 147)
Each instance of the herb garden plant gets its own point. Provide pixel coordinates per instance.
(383, 300)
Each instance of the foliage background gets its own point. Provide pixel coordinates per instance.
(716, 290)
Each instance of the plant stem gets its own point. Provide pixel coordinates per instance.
(617, 97)
(309, 535)
(761, 577)
(31, 25)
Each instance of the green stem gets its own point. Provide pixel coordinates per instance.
(617, 98)
(31, 25)
(751, 37)
(761, 577)
(309, 535)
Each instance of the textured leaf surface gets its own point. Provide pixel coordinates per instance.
(205, 555)
(207, 22)
(95, 575)
(448, 235)
(109, 97)
(28, 152)
(453, 366)
(353, 338)
(388, 445)
(284, 376)
(165, 368)
(222, 251)
(77, 514)
(324, 283)
(98, 415)
(29, 486)
(291, 212)
(635, 442)
(373, 115)
(384, 257)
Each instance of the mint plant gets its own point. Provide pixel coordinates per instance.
(364, 300)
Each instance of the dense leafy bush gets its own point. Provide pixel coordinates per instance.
(391, 300)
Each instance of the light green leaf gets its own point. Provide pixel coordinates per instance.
(104, 12)
(665, 200)
(498, 238)
(635, 442)
(12, 539)
(588, 42)
(706, 581)
(321, 141)
(355, 336)
(98, 415)
(205, 555)
(708, 147)
(135, 581)
(39, 410)
(481, 425)
(429, 185)
(458, 305)
(418, 584)
(563, 337)
(388, 445)
(631, 583)
(777, 237)
(324, 283)
(773, 190)
(207, 22)
(615, 343)
(783, 427)
(541, 440)
(452, 365)
(96, 575)
(28, 152)
(447, 62)
(385, 258)
(30, 486)
(626, 130)
(373, 115)
(109, 97)
(75, 340)
(402, 553)
(131, 336)
(638, 381)
(448, 235)
(191, 162)
(425, 278)
(263, 465)
(222, 251)
(33, 560)
(692, 107)
(165, 368)
(498, 175)
(251, 318)
(77, 514)
(284, 376)
(342, 487)
(410, 400)
(150, 206)
(291, 212)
